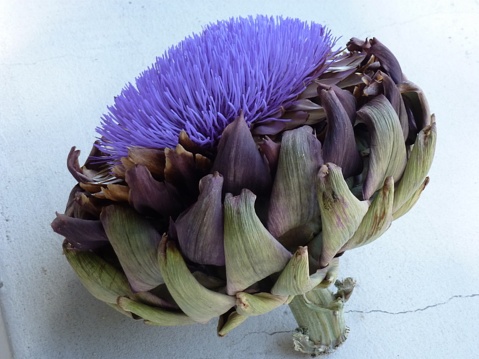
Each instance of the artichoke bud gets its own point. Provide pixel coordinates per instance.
(233, 182)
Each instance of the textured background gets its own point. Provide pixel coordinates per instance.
(61, 63)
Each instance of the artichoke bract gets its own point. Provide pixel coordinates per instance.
(231, 177)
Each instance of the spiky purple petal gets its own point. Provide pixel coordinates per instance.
(256, 65)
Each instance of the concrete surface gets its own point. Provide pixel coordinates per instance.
(61, 63)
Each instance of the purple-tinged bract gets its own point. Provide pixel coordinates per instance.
(256, 65)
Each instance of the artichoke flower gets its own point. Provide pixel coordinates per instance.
(231, 177)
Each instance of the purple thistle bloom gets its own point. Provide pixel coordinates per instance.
(234, 173)
(255, 65)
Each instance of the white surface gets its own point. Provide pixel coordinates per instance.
(61, 63)
(4, 344)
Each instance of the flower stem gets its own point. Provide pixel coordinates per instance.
(320, 316)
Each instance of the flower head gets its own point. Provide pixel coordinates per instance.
(238, 170)
(257, 66)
